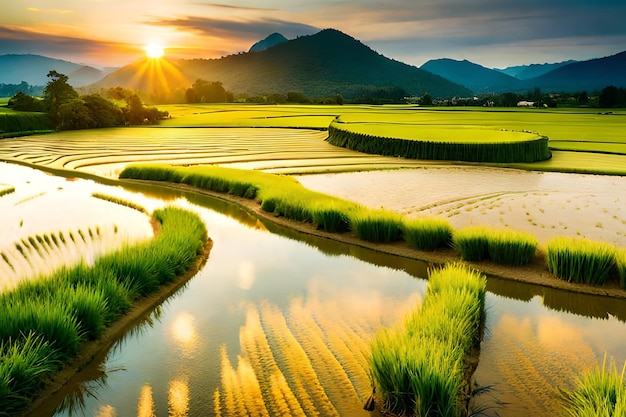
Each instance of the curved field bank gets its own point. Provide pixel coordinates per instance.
(458, 143)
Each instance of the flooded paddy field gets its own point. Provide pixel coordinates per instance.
(276, 321)
(545, 204)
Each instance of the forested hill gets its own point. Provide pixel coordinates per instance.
(476, 77)
(590, 75)
(320, 65)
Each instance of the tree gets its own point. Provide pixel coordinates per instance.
(203, 91)
(426, 100)
(24, 102)
(73, 115)
(611, 97)
(102, 112)
(135, 113)
(56, 93)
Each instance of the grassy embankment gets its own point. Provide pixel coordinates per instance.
(471, 144)
(23, 123)
(422, 366)
(284, 196)
(600, 392)
(45, 321)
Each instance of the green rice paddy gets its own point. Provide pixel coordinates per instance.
(44, 322)
(419, 368)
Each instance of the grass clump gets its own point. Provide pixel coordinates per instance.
(472, 243)
(502, 246)
(45, 321)
(600, 392)
(419, 368)
(511, 247)
(580, 260)
(620, 262)
(120, 201)
(378, 226)
(6, 191)
(427, 233)
(279, 194)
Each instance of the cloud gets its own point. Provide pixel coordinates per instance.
(244, 29)
(17, 41)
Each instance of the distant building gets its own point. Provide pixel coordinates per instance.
(525, 103)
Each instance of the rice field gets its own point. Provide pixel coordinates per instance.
(223, 136)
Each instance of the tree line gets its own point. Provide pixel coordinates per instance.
(69, 111)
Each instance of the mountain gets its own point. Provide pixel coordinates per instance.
(591, 75)
(34, 69)
(473, 76)
(320, 65)
(525, 72)
(272, 40)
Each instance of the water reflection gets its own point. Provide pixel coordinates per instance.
(178, 398)
(184, 332)
(281, 322)
(145, 406)
(586, 305)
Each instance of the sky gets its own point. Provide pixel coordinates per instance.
(492, 33)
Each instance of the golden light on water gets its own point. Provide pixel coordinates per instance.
(246, 275)
(178, 398)
(106, 411)
(184, 331)
(145, 406)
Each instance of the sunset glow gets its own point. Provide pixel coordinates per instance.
(154, 51)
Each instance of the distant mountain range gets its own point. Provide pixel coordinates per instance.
(526, 72)
(570, 76)
(33, 69)
(321, 65)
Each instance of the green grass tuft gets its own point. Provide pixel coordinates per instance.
(45, 321)
(580, 260)
(620, 262)
(418, 367)
(600, 392)
(378, 226)
(427, 233)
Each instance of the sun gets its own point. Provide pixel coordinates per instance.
(154, 51)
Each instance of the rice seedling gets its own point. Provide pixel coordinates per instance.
(511, 247)
(620, 261)
(60, 312)
(331, 217)
(580, 260)
(427, 233)
(6, 191)
(600, 392)
(24, 364)
(378, 226)
(120, 201)
(503, 246)
(472, 243)
(486, 146)
(418, 367)
(5, 258)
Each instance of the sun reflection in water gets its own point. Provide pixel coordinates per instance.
(106, 411)
(178, 398)
(183, 331)
(246, 275)
(145, 406)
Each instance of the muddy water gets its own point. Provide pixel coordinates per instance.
(545, 204)
(279, 323)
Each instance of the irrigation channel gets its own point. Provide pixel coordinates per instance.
(280, 323)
